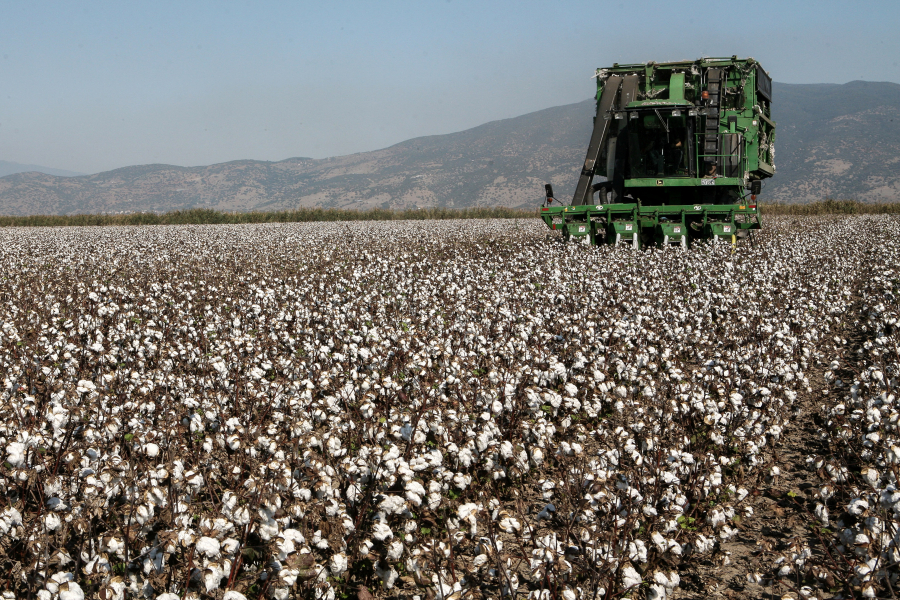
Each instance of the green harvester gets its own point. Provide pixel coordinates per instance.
(678, 154)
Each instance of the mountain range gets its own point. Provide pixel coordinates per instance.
(833, 141)
(8, 168)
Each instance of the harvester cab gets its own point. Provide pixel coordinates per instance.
(678, 153)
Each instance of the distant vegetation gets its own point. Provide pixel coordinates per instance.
(202, 216)
(833, 207)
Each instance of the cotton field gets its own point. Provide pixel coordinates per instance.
(439, 410)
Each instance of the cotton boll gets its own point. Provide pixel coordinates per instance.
(394, 551)
(857, 506)
(70, 591)
(212, 576)
(510, 524)
(415, 492)
(15, 454)
(208, 546)
(229, 546)
(381, 531)
(288, 577)
(387, 574)
(52, 522)
(630, 578)
(338, 564)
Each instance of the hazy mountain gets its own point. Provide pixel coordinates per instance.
(8, 168)
(839, 141)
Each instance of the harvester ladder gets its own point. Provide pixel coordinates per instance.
(711, 137)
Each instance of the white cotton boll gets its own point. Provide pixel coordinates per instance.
(288, 576)
(208, 546)
(510, 524)
(212, 576)
(630, 577)
(537, 457)
(232, 595)
(415, 492)
(395, 551)
(334, 446)
(716, 518)
(52, 522)
(230, 546)
(857, 506)
(84, 386)
(56, 579)
(241, 516)
(338, 564)
(143, 513)
(381, 531)
(822, 514)
(16, 454)
(465, 457)
(480, 560)
(637, 551)
(871, 475)
(320, 542)
(387, 575)
(392, 505)
(151, 450)
(659, 541)
(506, 449)
(63, 584)
(704, 544)
(467, 510)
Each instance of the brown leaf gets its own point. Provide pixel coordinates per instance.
(300, 561)
(363, 594)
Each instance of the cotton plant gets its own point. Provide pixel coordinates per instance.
(856, 507)
(435, 408)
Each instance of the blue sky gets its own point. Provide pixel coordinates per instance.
(90, 86)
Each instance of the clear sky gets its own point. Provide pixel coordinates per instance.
(90, 86)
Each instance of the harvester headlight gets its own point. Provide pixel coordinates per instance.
(676, 113)
(633, 115)
(692, 112)
(620, 116)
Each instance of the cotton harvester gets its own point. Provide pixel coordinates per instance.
(679, 152)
